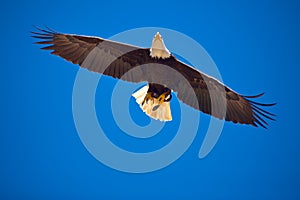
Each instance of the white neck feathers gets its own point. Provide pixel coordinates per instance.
(158, 48)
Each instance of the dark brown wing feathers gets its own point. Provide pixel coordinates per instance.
(123, 61)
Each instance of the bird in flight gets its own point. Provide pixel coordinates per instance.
(164, 73)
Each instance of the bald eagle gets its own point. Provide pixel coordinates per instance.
(159, 68)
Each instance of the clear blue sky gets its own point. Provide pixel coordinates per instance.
(255, 45)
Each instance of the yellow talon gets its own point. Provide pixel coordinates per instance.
(161, 98)
(147, 98)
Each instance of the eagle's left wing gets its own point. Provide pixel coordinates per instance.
(96, 54)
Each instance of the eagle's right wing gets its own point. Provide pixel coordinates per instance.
(210, 96)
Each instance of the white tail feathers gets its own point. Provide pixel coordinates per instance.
(141, 94)
(152, 107)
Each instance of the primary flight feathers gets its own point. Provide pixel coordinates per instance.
(163, 72)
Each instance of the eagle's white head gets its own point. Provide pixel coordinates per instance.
(158, 48)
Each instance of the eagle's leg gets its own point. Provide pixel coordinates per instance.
(154, 100)
(165, 97)
(147, 98)
(159, 92)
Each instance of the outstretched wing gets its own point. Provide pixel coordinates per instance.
(94, 53)
(218, 100)
(135, 64)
